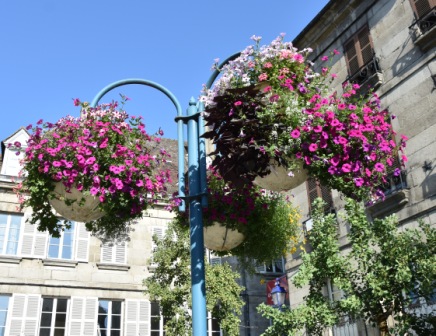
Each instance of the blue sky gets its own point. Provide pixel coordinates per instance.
(53, 51)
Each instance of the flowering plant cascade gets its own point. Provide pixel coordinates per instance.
(105, 154)
(268, 220)
(270, 106)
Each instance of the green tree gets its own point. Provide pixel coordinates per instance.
(385, 264)
(170, 285)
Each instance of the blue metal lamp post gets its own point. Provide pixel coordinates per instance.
(197, 191)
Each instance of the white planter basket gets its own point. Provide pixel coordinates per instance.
(86, 212)
(220, 238)
(279, 180)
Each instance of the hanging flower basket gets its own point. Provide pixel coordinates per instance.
(101, 168)
(247, 222)
(74, 204)
(280, 179)
(270, 106)
(220, 238)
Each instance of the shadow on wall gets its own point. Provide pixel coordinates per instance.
(429, 183)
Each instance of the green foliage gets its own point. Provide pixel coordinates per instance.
(170, 285)
(385, 264)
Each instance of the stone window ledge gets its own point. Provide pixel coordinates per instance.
(10, 259)
(390, 204)
(113, 267)
(60, 263)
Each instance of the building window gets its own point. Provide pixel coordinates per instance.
(114, 253)
(277, 266)
(159, 232)
(422, 8)
(53, 317)
(156, 321)
(423, 28)
(62, 247)
(10, 227)
(109, 318)
(213, 326)
(4, 303)
(314, 190)
(358, 50)
(362, 64)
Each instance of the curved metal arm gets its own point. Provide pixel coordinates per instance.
(170, 95)
(217, 72)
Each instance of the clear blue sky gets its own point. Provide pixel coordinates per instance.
(55, 50)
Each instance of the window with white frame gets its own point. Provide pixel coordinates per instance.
(213, 326)
(10, 227)
(53, 317)
(109, 317)
(156, 320)
(62, 247)
(277, 266)
(4, 304)
(73, 243)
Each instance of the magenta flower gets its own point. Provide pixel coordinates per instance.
(379, 167)
(313, 147)
(359, 181)
(346, 168)
(295, 133)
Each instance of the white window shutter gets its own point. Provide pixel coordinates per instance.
(83, 316)
(25, 311)
(120, 253)
(33, 242)
(114, 253)
(158, 231)
(82, 242)
(260, 268)
(107, 252)
(137, 319)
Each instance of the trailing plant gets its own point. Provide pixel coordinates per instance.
(267, 219)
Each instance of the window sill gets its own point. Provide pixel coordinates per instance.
(390, 204)
(113, 267)
(427, 40)
(60, 263)
(10, 259)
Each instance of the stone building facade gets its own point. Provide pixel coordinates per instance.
(389, 45)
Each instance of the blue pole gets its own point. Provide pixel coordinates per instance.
(199, 326)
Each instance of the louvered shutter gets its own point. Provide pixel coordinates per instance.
(83, 316)
(316, 189)
(137, 318)
(359, 50)
(114, 253)
(352, 58)
(260, 268)
(81, 242)
(422, 7)
(215, 261)
(106, 253)
(365, 45)
(33, 242)
(120, 253)
(158, 231)
(25, 312)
